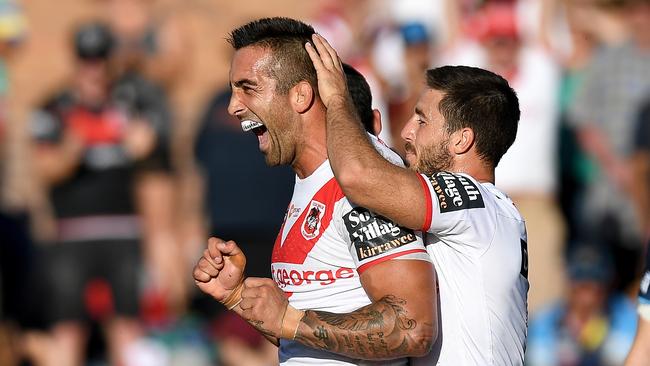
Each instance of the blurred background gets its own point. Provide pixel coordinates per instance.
(118, 159)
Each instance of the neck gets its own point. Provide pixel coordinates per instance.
(312, 152)
(474, 167)
(308, 162)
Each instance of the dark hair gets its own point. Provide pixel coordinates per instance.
(481, 100)
(286, 39)
(93, 41)
(361, 96)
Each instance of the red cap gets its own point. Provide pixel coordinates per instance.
(494, 20)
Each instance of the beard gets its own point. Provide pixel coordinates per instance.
(430, 159)
(282, 138)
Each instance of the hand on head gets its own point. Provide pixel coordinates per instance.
(329, 68)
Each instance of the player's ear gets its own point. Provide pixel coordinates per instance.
(301, 96)
(462, 140)
(376, 122)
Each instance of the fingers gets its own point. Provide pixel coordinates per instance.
(315, 57)
(322, 54)
(219, 248)
(207, 267)
(327, 52)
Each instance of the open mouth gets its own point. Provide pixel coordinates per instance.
(249, 125)
(259, 130)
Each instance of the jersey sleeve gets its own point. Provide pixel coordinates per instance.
(373, 239)
(450, 200)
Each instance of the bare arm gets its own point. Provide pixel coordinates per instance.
(640, 187)
(365, 177)
(596, 144)
(220, 274)
(401, 321)
(640, 352)
(56, 162)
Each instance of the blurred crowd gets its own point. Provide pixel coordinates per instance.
(113, 177)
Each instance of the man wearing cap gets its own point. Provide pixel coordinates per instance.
(91, 142)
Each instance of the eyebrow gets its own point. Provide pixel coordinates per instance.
(420, 113)
(241, 82)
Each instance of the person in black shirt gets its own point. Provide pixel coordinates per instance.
(94, 142)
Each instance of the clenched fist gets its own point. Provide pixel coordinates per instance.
(220, 271)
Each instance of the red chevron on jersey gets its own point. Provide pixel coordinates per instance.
(309, 227)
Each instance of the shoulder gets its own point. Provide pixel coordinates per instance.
(455, 192)
(386, 151)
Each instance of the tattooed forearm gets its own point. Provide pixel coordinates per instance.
(380, 330)
(259, 325)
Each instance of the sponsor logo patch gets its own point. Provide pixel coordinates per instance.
(455, 192)
(373, 235)
(287, 275)
(311, 225)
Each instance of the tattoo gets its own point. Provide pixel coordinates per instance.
(378, 331)
(259, 325)
(321, 333)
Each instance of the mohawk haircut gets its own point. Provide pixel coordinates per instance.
(361, 96)
(286, 39)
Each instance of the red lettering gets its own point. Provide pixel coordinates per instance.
(295, 277)
(344, 273)
(285, 277)
(325, 277)
(306, 276)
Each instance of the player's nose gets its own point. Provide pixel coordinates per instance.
(235, 106)
(408, 131)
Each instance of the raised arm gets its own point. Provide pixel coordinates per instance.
(365, 176)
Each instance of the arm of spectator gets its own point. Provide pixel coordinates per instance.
(453, 22)
(641, 188)
(167, 63)
(640, 353)
(597, 146)
(165, 261)
(365, 177)
(56, 161)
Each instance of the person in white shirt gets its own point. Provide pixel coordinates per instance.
(365, 284)
(465, 120)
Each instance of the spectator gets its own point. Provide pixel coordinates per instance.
(615, 83)
(15, 243)
(528, 170)
(641, 168)
(416, 59)
(92, 142)
(592, 326)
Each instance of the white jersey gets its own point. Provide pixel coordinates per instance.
(477, 241)
(324, 245)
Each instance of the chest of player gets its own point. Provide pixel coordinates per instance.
(310, 252)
